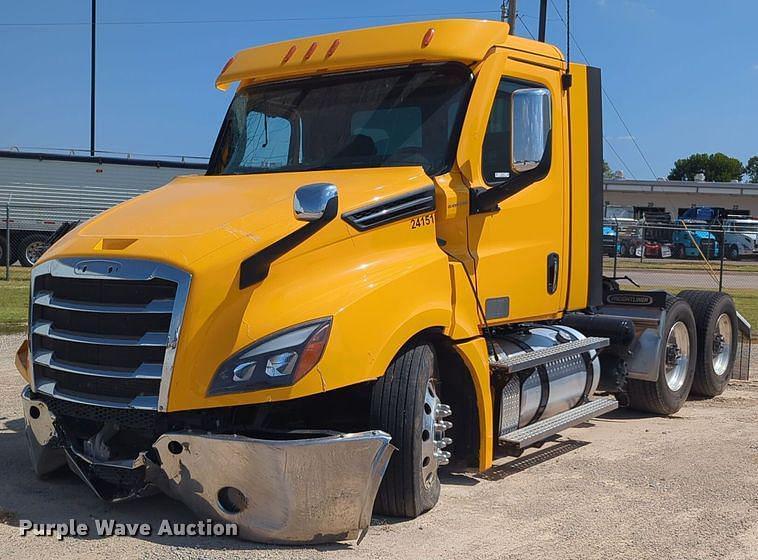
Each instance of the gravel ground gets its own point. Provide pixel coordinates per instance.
(623, 486)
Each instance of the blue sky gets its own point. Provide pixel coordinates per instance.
(683, 82)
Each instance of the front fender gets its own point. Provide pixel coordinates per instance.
(380, 288)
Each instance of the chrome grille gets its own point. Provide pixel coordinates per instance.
(104, 332)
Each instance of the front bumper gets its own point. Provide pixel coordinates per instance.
(311, 489)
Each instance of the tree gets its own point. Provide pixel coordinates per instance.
(716, 167)
(607, 171)
(751, 169)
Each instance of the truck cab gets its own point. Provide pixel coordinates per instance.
(740, 237)
(392, 264)
(695, 239)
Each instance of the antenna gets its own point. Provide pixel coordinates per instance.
(566, 79)
(568, 33)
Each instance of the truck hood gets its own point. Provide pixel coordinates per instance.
(194, 216)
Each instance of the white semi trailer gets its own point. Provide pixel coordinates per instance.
(39, 192)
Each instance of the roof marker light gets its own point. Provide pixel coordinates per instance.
(428, 36)
(310, 50)
(227, 65)
(333, 48)
(289, 54)
(221, 86)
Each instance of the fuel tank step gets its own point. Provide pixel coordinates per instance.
(528, 360)
(527, 436)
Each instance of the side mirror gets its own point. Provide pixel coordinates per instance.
(315, 202)
(531, 121)
(531, 139)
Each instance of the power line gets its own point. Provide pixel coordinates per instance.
(618, 156)
(525, 26)
(241, 20)
(607, 96)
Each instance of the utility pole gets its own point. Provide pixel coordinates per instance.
(92, 83)
(509, 13)
(543, 21)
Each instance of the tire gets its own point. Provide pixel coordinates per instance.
(717, 340)
(400, 405)
(677, 252)
(733, 253)
(28, 249)
(669, 392)
(624, 250)
(2, 252)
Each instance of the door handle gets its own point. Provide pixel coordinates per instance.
(553, 262)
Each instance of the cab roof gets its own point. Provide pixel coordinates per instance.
(456, 40)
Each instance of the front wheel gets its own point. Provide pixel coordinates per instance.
(733, 253)
(676, 371)
(405, 404)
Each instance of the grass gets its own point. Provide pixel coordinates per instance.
(14, 300)
(747, 305)
(745, 299)
(668, 264)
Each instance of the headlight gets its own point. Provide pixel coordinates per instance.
(275, 361)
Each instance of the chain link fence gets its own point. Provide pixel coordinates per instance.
(656, 253)
(720, 256)
(26, 230)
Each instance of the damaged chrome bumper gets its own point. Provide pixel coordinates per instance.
(316, 488)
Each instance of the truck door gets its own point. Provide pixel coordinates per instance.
(521, 249)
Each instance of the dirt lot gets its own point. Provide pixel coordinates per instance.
(624, 486)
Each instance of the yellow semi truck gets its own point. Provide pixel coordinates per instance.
(392, 264)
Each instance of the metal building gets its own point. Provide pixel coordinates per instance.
(40, 191)
(671, 196)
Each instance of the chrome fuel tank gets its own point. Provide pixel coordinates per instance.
(546, 390)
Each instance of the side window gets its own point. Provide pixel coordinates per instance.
(517, 130)
(268, 141)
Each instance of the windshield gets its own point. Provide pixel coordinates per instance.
(745, 226)
(393, 117)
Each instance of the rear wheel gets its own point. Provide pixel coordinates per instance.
(677, 364)
(405, 403)
(733, 253)
(3, 246)
(716, 320)
(30, 248)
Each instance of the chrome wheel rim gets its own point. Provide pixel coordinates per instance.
(722, 345)
(677, 355)
(34, 250)
(433, 439)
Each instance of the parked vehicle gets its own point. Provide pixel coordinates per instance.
(740, 238)
(42, 191)
(695, 240)
(355, 294)
(653, 250)
(611, 245)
